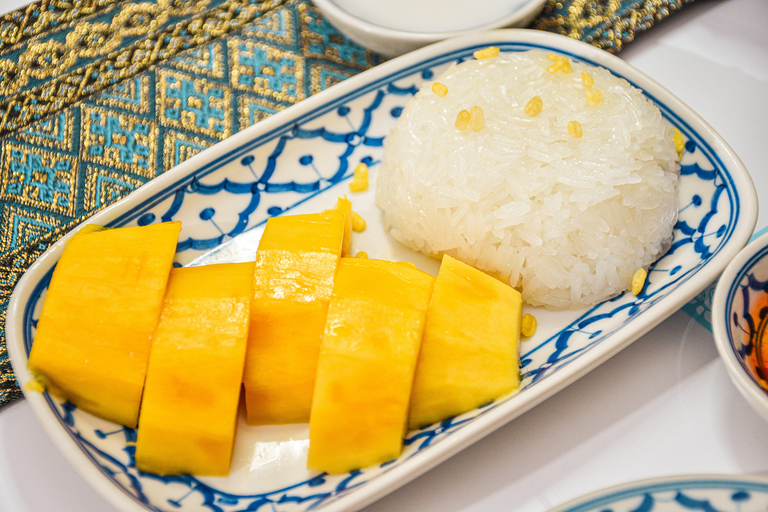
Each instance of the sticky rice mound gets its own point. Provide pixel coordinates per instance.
(567, 219)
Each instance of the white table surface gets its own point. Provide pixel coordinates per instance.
(664, 406)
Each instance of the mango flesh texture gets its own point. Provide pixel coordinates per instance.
(367, 360)
(470, 350)
(93, 337)
(189, 411)
(293, 281)
(344, 207)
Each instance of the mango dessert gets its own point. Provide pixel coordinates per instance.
(189, 411)
(366, 364)
(469, 354)
(293, 280)
(104, 300)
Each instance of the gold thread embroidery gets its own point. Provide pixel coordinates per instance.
(266, 71)
(33, 104)
(608, 24)
(178, 146)
(104, 187)
(36, 178)
(55, 132)
(205, 60)
(193, 104)
(252, 110)
(132, 95)
(19, 226)
(277, 26)
(41, 17)
(319, 44)
(118, 140)
(322, 76)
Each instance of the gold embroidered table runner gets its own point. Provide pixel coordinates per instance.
(90, 95)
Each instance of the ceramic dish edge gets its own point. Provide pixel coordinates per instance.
(750, 389)
(389, 481)
(601, 497)
(392, 42)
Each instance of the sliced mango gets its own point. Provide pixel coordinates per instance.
(344, 207)
(189, 411)
(93, 336)
(367, 359)
(295, 266)
(469, 355)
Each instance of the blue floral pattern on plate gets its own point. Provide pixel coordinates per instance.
(299, 160)
(679, 494)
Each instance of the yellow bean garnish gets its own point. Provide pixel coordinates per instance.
(594, 97)
(361, 254)
(439, 89)
(462, 120)
(561, 63)
(476, 118)
(638, 281)
(587, 79)
(529, 324)
(486, 53)
(359, 181)
(679, 141)
(574, 129)
(34, 385)
(358, 223)
(534, 106)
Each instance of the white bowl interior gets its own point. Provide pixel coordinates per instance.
(392, 42)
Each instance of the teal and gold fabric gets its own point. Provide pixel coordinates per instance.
(98, 97)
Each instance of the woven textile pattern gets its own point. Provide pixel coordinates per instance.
(607, 24)
(98, 97)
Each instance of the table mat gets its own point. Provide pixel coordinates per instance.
(97, 97)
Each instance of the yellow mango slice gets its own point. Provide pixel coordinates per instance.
(93, 336)
(344, 207)
(295, 266)
(367, 359)
(470, 353)
(189, 411)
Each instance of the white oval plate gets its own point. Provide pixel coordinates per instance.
(299, 161)
(678, 494)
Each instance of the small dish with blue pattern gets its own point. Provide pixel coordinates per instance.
(678, 494)
(740, 322)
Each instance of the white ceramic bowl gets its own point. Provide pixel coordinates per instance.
(740, 319)
(392, 42)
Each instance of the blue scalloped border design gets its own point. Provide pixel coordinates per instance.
(679, 495)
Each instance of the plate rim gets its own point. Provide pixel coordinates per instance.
(409, 470)
(599, 497)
